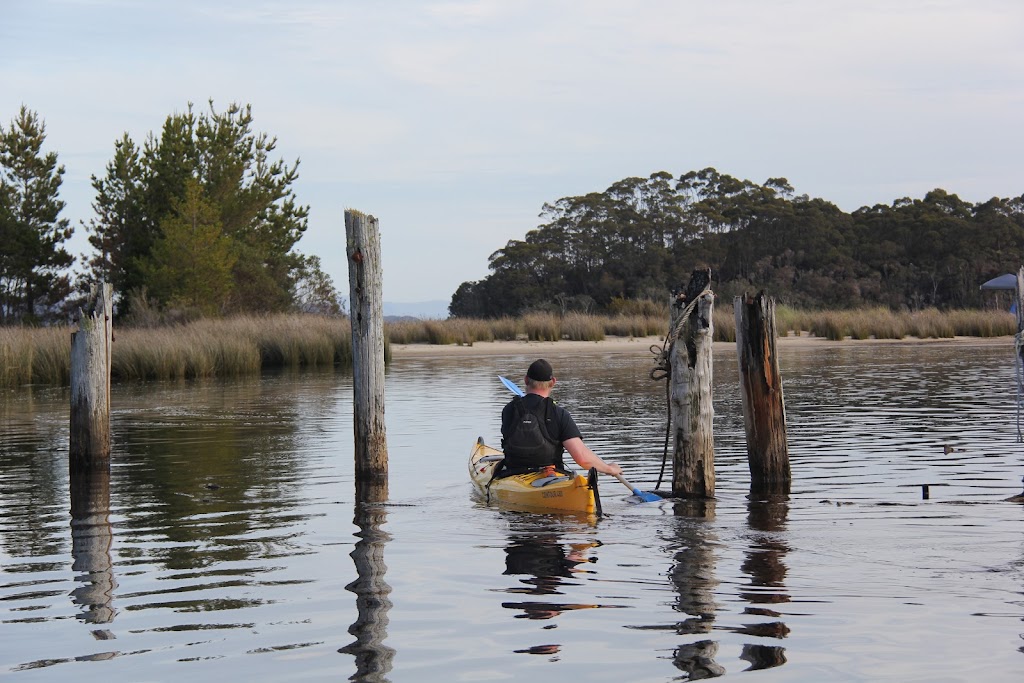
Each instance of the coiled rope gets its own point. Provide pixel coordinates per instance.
(662, 370)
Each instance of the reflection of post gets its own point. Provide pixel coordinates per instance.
(91, 538)
(693, 575)
(765, 564)
(373, 657)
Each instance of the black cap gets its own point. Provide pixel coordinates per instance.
(540, 371)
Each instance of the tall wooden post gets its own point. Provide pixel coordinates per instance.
(764, 411)
(1020, 304)
(693, 461)
(1019, 343)
(365, 280)
(89, 444)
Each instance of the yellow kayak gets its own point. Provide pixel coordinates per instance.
(549, 491)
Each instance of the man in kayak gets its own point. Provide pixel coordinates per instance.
(535, 431)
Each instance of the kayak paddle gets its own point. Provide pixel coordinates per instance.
(512, 386)
(642, 495)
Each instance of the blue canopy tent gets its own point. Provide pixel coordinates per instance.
(1008, 281)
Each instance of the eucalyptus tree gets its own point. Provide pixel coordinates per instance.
(641, 236)
(33, 260)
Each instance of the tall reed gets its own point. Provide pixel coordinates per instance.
(35, 355)
(580, 327)
(204, 348)
(244, 345)
(542, 326)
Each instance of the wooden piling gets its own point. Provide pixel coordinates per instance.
(365, 279)
(693, 460)
(764, 411)
(1020, 305)
(89, 443)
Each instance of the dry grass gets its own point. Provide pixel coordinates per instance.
(881, 323)
(204, 348)
(245, 345)
(873, 323)
(35, 355)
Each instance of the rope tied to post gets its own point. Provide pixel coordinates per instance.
(662, 369)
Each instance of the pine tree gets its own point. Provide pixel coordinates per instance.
(314, 289)
(249, 194)
(33, 261)
(190, 264)
(120, 232)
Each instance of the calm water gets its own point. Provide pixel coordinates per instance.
(226, 544)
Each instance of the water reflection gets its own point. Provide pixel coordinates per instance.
(91, 538)
(765, 565)
(549, 567)
(226, 500)
(374, 659)
(693, 576)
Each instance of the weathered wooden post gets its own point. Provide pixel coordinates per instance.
(1020, 299)
(1019, 343)
(89, 444)
(365, 280)
(1020, 309)
(764, 411)
(693, 461)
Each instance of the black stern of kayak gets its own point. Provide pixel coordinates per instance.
(592, 485)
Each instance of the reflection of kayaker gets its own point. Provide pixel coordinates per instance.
(548, 567)
(544, 559)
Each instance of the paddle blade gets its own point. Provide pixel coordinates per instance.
(642, 495)
(645, 496)
(511, 386)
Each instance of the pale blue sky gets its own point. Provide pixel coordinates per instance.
(453, 122)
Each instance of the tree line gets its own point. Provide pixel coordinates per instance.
(199, 218)
(643, 236)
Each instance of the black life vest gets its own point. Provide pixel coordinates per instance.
(529, 445)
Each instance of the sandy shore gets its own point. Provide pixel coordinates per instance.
(641, 345)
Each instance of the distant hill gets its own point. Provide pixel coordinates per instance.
(437, 310)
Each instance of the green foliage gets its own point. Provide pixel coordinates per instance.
(642, 237)
(314, 290)
(120, 232)
(32, 258)
(244, 192)
(190, 263)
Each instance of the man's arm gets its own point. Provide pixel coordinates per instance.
(587, 458)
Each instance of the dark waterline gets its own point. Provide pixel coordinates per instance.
(226, 543)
